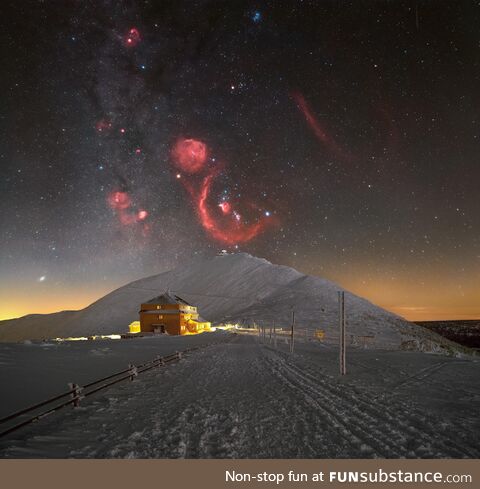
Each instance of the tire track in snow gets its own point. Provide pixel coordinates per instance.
(376, 424)
(357, 432)
(420, 376)
(427, 434)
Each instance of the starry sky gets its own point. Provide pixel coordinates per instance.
(340, 138)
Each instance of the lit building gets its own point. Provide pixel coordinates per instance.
(170, 314)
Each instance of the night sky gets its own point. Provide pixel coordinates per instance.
(340, 138)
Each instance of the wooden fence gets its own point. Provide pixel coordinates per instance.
(76, 392)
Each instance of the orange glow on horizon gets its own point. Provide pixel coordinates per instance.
(74, 302)
(417, 292)
(434, 314)
(432, 293)
(410, 313)
(19, 303)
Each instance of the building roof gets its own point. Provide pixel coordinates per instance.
(167, 298)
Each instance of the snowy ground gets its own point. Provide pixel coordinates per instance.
(32, 372)
(242, 399)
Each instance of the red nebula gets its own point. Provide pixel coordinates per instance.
(103, 125)
(224, 225)
(317, 128)
(226, 207)
(142, 215)
(229, 232)
(133, 37)
(119, 200)
(190, 155)
(127, 218)
(122, 204)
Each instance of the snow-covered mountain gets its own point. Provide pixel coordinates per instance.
(230, 288)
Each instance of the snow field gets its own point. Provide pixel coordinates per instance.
(242, 399)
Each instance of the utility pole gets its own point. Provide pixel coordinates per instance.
(341, 317)
(293, 326)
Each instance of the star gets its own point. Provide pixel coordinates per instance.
(257, 17)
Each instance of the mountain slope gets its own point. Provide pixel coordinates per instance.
(236, 288)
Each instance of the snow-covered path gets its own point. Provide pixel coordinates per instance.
(242, 399)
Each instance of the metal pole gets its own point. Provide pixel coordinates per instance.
(341, 316)
(291, 334)
(274, 334)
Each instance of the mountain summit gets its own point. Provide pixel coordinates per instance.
(236, 288)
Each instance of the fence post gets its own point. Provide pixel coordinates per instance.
(160, 361)
(133, 371)
(75, 395)
(179, 355)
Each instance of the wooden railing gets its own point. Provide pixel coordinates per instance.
(76, 392)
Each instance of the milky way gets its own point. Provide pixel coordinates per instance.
(341, 140)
